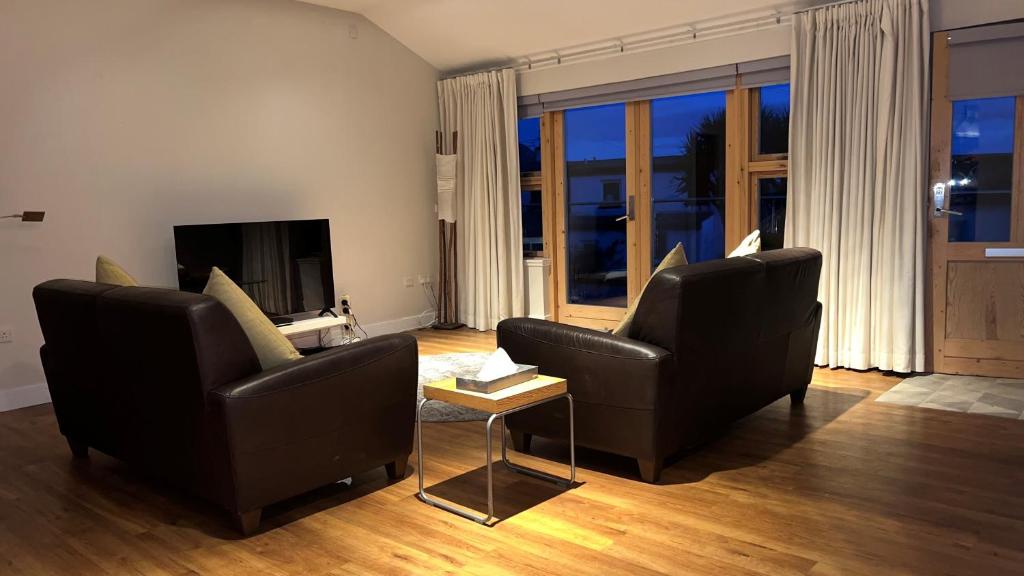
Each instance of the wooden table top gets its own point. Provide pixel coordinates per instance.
(540, 388)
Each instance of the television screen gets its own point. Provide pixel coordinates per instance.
(285, 267)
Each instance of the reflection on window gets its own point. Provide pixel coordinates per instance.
(595, 168)
(529, 161)
(982, 170)
(773, 118)
(688, 176)
(771, 211)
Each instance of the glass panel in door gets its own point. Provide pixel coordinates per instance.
(981, 170)
(688, 176)
(595, 196)
(771, 211)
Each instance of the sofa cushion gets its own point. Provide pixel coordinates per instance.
(750, 245)
(110, 272)
(272, 348)
(675, 257)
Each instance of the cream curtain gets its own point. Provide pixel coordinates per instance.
(857, 188)
(482, 109)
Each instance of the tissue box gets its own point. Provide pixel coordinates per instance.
(523, 373)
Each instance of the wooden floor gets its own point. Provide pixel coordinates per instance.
(842, 485)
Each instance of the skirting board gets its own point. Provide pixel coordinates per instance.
(34, 394)
(399, 325)
(24, 396)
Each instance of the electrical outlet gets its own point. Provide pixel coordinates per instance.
(408, 281)
(424, 279)
(6, 334)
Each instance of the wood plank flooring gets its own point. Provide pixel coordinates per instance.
(842, 485)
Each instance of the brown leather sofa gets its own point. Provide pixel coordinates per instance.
(167, 381)
(710, 344)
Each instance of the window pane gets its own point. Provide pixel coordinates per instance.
(771, 211)
(529, 145)
(595, 167)
(982, 170)
(774, 120)
(529, 161)
(533, 222)
(688, 176)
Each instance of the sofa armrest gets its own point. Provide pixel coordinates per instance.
(600, 368)
(313, 421)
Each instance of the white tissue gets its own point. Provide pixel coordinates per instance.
(497, 366)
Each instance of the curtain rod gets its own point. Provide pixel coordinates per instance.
(735, 23)
(826, 5)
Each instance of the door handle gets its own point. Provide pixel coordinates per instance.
(630, 210)
(939, 199)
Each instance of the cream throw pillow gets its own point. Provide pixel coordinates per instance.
(750, 245)
(109, 272)
(675, 257)
(272, 348)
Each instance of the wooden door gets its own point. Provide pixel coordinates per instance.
(976, 230)
(595, 198)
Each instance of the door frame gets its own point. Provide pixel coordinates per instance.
(744, 165)
(960, 356)
(637, 132)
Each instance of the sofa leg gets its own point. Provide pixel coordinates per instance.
(396, 469)
(797, 396)
(248, 522)
(650, 469)
(521, 441)
(78, 449)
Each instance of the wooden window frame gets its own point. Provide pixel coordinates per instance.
(744, 167)
(756, 157)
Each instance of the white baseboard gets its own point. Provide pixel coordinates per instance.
(399, 325)
(24, 396)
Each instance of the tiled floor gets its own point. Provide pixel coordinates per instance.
(973, 394)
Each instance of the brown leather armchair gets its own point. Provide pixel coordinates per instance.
(167, 381)
(710, 344)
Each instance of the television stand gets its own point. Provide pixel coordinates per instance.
(326, 311)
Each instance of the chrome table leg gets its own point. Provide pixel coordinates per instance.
(537, 473)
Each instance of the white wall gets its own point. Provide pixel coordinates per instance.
(122, 118)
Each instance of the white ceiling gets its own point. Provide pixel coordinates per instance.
(456, 35)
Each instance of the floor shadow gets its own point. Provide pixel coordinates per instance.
(514, 493)
(748, 442)
(154, 501)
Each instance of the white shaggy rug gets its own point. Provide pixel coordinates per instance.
(434, 368)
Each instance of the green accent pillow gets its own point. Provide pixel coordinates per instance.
(272, 348)
(110, 272)
(675, 257)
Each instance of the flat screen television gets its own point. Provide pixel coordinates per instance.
(285, 267)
